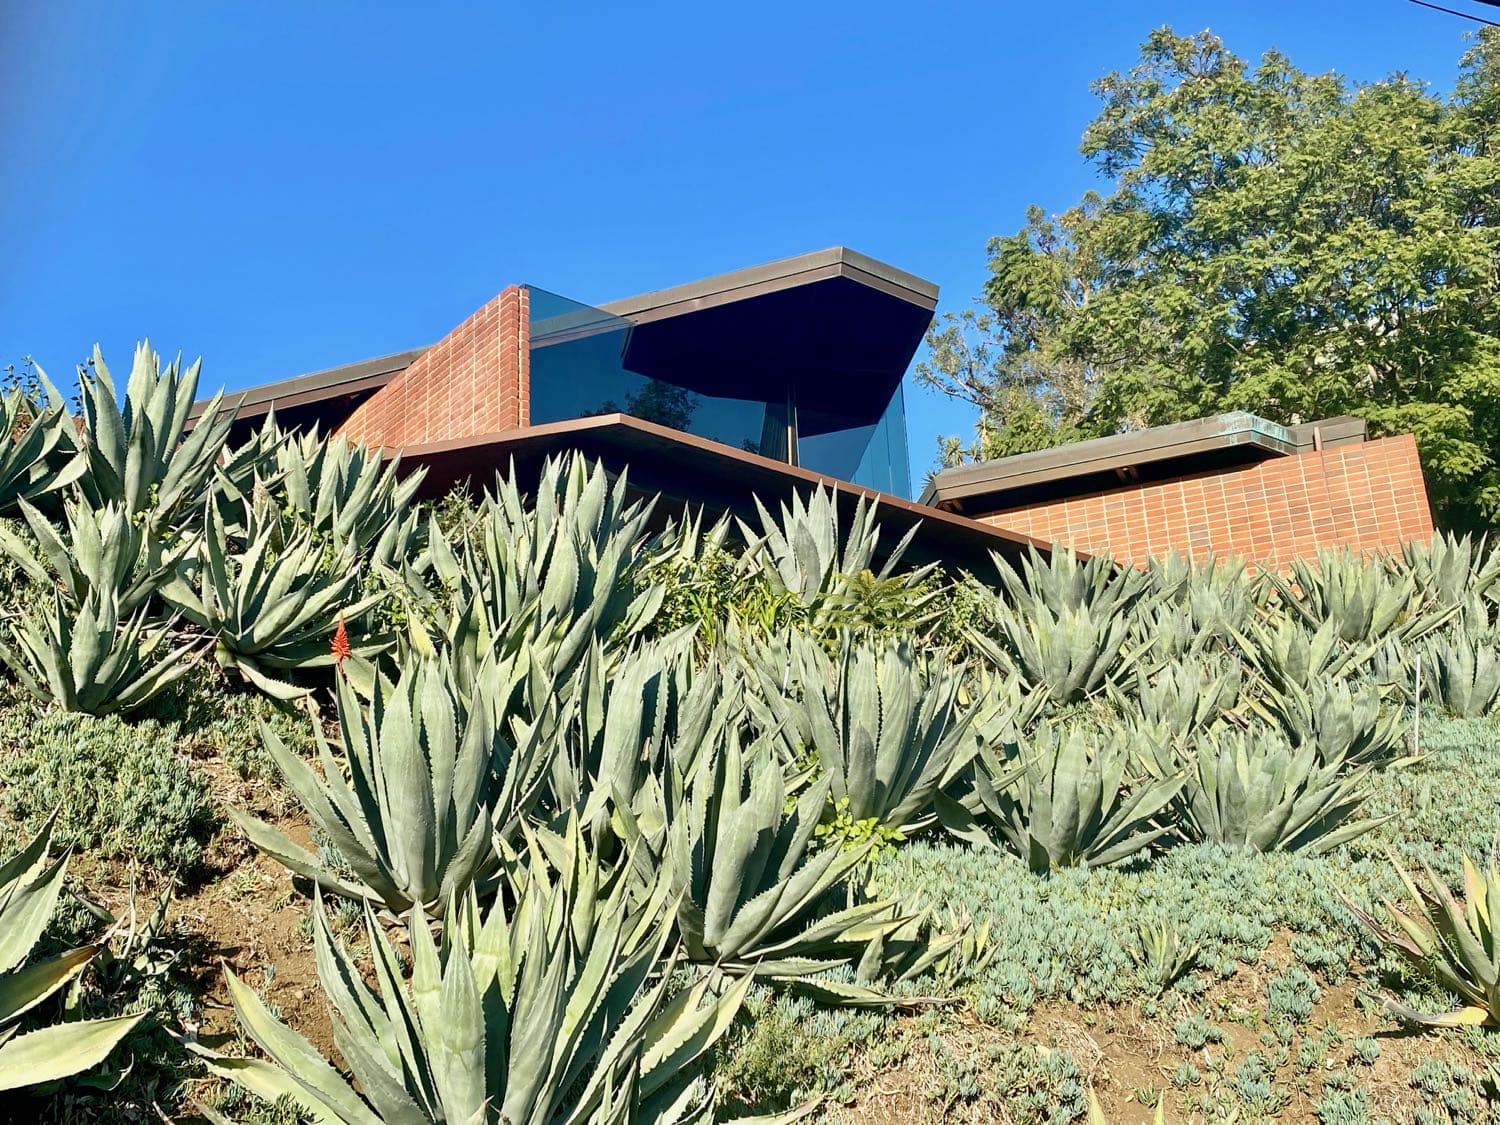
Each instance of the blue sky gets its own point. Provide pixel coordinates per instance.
(280, 187)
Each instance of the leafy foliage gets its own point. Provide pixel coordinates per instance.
(271, 605)
(885, 724)
(1269, 240)
(119, 791)
(1253, 791)
(1070, 800)
(1458, 941)
(29, 887)
(139, 452)
(39, 453)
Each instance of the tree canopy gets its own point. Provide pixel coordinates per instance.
(1268, 240)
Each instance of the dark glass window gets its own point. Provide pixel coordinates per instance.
(852, 448)
(578, 370)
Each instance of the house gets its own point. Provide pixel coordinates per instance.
(770, 379)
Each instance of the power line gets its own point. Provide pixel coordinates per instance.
(1462, 15)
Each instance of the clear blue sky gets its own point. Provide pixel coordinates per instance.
(280, 187)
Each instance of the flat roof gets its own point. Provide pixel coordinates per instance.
(691, 470)
(348, 378)
(368, 375)
(773, 277)
(1098, 463)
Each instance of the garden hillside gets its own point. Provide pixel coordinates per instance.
(319, 803)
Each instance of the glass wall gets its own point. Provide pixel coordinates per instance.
(871, 453)
(578, 371)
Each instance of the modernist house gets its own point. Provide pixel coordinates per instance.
(781, 376)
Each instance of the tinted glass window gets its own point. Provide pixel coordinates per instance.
(577, 371)
(861, 450)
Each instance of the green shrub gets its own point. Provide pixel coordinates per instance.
(124, 789)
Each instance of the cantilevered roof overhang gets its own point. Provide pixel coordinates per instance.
(836, 325)
(840, 324)
(1100, 464)
(689, 471)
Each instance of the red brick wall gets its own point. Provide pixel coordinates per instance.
(476, 380)
(1369, 497)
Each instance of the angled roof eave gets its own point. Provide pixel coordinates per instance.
(348, 378)
(721, 289)
(1116, 451)
(773, 277)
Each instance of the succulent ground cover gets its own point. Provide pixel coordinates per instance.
(534, 806)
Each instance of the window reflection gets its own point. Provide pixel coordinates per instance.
(578, 371)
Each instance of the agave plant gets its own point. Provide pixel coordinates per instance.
(346, 494)
(1450, 569)
(1462, 672)
(38, 450)
(1363, 599)
(555, 1012)
(136, 451)
(1205, 605)
(1251, 790)
(1457, 943)
(84, 658)
(29, 888)
(830, 569)
(427, 780)
(555, 573)
(1288, 657)
(625, 706)
(1186, 696)
(886, 726)
(1061, 581)
(100, 549)
(1066, 798)
(269, 610)
(1069, 654)
(753, 886)
(1349, 725)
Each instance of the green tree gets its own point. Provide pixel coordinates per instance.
(1269, 240)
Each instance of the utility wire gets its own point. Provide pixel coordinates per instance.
(1462, 15)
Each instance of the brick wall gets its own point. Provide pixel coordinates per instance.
(1369, 497)
(475, 380)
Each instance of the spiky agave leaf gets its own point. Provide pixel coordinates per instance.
(1063, 797)
(38, 450)
(1070, 653)
(1364, 599)
(828, 564)
(1462, 672)
(1287, 656)
(1349, 724)
(139, 452)
(886, 725)
(426, 779)
(98, 548)
(1455, 942)
(555, 573)
(1450, 569)
(270, 610)
(84, 658)
(1186, 696)
(556, 1010)
(29, 888)
(753, 883)
(1252, 790)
